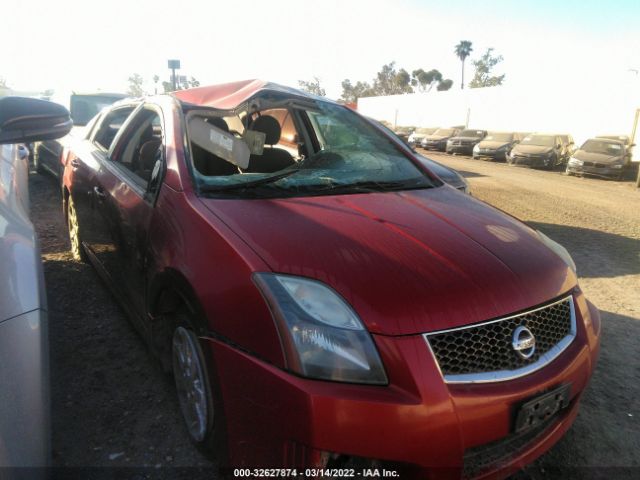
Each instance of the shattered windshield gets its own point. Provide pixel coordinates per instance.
(540, 140)
(499, 137)
(312, 150)
(602, 146)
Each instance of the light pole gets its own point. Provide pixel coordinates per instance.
(174, 65)
(632, 141)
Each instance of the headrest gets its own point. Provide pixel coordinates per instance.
(218, 123)
(148, 152)
(269, 126)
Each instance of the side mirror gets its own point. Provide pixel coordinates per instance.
(24, 120)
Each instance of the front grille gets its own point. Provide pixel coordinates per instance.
(484, 352)
(594, 164)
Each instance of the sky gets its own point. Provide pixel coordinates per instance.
(87, 45)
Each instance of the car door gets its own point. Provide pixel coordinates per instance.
(125, 205)
(84, 163)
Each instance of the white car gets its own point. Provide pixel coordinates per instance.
(24, 362)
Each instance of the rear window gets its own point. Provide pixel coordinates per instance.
(499, 137)
(472, 133)
(542, 140)
(602, 146)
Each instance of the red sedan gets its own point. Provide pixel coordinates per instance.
(323, 300)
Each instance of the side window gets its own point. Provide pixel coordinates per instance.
(111, 123)
(140, 146)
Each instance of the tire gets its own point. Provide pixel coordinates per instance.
(75, 237)
(196, 382)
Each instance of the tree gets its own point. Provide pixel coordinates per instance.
(167, 86)
(192, 83)
(390, 81)
(351, 93)
(445, 85)
(312, 86)
(463, 50)
(3, 82)
(424, 81)
(135, 85)
(484, 66)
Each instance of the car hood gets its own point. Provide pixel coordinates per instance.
(492, 144)
(531, 149)
(436, 137)
(407, 262)
(597, 157)
(472, 139)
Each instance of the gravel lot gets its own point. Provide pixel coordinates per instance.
(113, 406)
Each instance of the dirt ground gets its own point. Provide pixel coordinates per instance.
(113, 407)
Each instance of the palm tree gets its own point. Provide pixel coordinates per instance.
(463, 50)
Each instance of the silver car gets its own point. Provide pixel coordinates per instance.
(24, 362)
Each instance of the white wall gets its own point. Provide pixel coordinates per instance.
(582, 110)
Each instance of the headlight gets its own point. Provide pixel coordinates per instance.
(618, 165)
(558, 250)
(575, 161)
(321, 335)
(476, 148)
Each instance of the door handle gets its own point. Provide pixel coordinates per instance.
(75, 164)
(99, 192)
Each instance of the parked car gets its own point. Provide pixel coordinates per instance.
(83, 107)
(438, 140)
(464, 141)
(322, 299)
(446, 174)
(415, 139)
(496, 145)
(24, 364)
(539, 150)
(601, 157)
(404, 132)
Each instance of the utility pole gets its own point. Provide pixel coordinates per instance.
(632, 140)
(174, 65)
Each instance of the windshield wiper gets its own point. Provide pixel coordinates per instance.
(249, 184)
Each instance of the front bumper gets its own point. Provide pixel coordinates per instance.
(538, 161)
(440, 146)
(418, 424)
(595, 171)
(490, 155)
(462, 149)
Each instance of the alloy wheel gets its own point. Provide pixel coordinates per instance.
(189, 374)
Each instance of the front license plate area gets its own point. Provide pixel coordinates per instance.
(541, 408)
